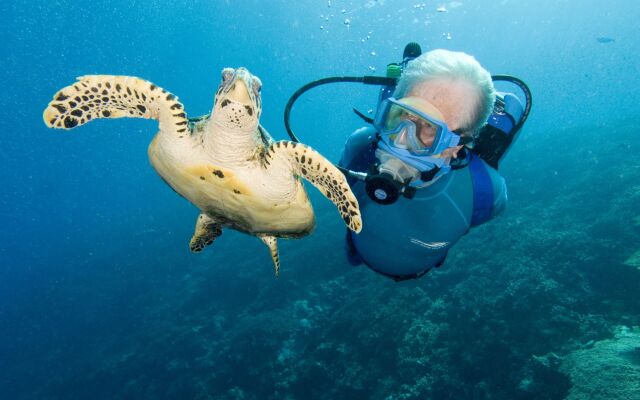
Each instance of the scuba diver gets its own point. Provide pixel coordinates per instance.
(426, 170)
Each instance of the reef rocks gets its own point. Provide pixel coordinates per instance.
(634, 260)
(610, 369)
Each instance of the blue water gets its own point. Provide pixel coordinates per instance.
(101, 299)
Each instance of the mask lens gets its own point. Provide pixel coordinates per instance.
(425, 133)
(394, 117)
(411, 130)
(414, 125)
(402, 139)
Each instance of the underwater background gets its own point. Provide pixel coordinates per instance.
(100, 297)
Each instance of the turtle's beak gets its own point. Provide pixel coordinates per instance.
(239, 92)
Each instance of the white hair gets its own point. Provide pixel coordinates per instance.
(454, 65)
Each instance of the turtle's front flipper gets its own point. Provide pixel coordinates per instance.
(110, 96)
(272, 243)
(207, 230)
(313, 167)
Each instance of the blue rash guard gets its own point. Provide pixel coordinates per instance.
(406, 239)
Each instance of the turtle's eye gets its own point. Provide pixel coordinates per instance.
(257, 86)
(227, 74)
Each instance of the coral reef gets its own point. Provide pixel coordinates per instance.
(608, 369)
(523, 308)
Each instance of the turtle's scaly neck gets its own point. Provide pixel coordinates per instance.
(230, 147)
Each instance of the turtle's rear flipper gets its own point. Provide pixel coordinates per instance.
(272, 243)
(313, 167)
(110, 96)
(207, 230)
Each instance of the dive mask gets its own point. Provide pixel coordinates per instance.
(401, 124)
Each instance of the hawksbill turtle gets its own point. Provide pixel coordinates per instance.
(225, 163)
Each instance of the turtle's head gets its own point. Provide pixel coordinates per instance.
(237, 104)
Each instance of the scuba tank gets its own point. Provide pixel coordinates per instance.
(504, 123)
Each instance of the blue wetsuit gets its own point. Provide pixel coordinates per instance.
(407, 238)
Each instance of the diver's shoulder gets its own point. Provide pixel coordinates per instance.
(498, 188)
(492, 172)
(362, 136)
(478, 171)
(360, 140)
(356, 153)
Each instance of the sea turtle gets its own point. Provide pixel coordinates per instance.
(225, 163)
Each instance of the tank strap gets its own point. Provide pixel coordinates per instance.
(482, 191)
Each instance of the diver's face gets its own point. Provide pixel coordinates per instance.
(425, 131)
(426, 134)
(455, 100)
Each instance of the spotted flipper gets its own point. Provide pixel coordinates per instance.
(109, 96)
(272, 243)
(207, 230)
(313, 167)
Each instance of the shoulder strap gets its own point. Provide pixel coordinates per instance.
(482, 191)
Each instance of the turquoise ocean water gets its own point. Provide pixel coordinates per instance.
(100, 297)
